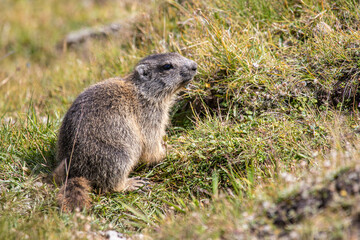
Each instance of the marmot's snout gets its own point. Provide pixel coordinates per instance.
(192, 66)
(188, 71)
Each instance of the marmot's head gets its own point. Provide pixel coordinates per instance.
(161, 75)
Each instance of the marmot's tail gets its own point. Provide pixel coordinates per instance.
(74, 194)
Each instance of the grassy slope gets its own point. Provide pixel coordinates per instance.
(272, 112)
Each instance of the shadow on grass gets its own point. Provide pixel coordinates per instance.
(41, 159)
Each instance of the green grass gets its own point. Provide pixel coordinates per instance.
(272, 113)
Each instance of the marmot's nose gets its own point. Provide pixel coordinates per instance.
(192, 66)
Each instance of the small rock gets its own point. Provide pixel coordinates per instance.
(322, 29)
(38, 184)
(82, 35)
(114, 235)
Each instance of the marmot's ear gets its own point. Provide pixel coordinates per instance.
(143, 71)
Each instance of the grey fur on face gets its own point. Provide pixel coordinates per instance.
(160, 75)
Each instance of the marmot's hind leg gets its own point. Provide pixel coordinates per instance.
(154, 153)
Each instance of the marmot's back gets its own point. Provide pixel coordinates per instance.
(98, 128)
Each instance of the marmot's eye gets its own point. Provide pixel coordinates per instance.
(167, 66)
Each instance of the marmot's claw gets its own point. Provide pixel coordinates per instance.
(138, 183)
(146, 185)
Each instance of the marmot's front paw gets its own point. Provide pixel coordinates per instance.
(163, 149)
(137, 183)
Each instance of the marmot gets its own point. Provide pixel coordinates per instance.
(113, 125)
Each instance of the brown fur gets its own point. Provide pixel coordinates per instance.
(116, 123)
